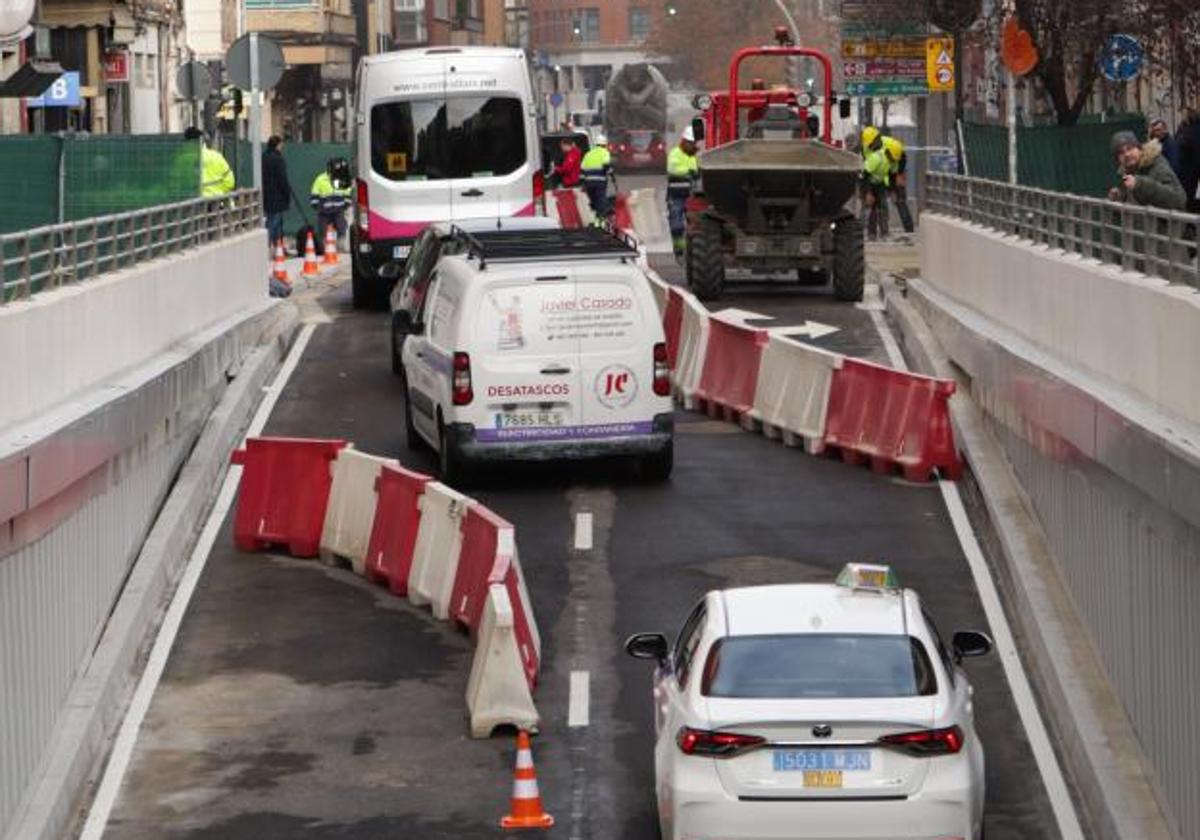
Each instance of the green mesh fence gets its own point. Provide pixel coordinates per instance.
(1075, 159)
(304, 162)
(112, 174)
(29, 172)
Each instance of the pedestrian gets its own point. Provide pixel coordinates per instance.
(330, 197)
(276, 190)
(597, 170)
(1170, 149)
(567, 171)
(1188, 143)
(1146, 177)
(682, 171)
(876, 181)
(216, 178)
(897, 159)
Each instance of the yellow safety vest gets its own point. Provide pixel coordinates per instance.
(322, 187)
(877, 168)
(216, 178)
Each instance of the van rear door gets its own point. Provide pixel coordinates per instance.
(525, 360)
(488, 136)
(409, 182)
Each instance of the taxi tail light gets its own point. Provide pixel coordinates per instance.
(462, 392)
(662, 371)
(364, 208)
(926, 742)
(715, 744)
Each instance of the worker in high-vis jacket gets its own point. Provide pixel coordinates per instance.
(330, 196)
(597, 170)
(682, 171)
(897, 159)
(216, 178)
(876, 181)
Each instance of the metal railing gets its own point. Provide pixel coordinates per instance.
(1161, 243)
(45, 258)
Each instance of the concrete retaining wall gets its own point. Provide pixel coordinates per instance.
(64, 341)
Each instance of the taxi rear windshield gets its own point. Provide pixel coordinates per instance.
(454, 137)
(817, 666)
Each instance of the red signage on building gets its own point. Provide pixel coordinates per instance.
(116, 66)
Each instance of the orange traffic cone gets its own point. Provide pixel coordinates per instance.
(310, 258)
(331, 254)
(526, 809)
(280, 264)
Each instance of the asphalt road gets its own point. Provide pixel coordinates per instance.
(301, 701)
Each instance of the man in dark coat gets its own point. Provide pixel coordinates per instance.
(1146, 177)
(1188, 139)
(276, 191)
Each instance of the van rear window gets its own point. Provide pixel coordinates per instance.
(453, 137)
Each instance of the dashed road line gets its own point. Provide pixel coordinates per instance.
(578, 708)
(583, 531)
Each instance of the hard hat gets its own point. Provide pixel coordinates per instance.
(869, 135)
(688, 135)
(600, 140)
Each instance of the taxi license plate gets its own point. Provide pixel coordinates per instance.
(822, 778)
(529, 419)
(821, 761)
(400, 252)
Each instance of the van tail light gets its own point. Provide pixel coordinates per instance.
(715, 744)
(926, 742)
(364, 209)
(662, 371)
(539, 193)
(460, 385)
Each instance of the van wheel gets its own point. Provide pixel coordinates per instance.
(451, 467)
(657, 467)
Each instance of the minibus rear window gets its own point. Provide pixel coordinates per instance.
(454, 137)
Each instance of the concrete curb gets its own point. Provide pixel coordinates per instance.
(97, 701)
(1095, 740)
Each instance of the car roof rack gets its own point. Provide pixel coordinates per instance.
(560, 244)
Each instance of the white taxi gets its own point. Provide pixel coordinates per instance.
(815, 711)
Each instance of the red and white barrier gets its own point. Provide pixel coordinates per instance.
(394, 536)
(351, 510)
(791, 397)
(497, 694)
(439, 544)
(693, 348)
(730, 373)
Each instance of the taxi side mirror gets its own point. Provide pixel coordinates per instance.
(968, 643)
(648, 646)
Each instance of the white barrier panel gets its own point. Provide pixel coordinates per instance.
(351, 510)
(792, 393)
(497, 691)
(693, 343)
(439, 544)
(649, 220)
(660, 289)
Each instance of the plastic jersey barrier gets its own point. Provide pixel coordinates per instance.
(485, 557)
(791, 396)
(660, 289)
(673, 324)
(284, 493)
(439, 540)
(394, 533)
(351, 509)
(622, 214)
(892, 418)
(693, 348)
(730, 372)
(496, 692)
(566, 208)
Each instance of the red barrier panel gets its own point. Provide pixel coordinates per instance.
(484, 558)
(622, 218)
(892, 418)
(522, 620)
(394, 530)
(567, 202)
(731, 364)
(283, 493)
(673, 324)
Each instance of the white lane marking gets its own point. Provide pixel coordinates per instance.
(122, 751)
(583, 531)
(578, 713)
(812, 329)
(1006, 646)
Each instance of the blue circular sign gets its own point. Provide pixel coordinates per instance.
(1122, 58)
(556, 99)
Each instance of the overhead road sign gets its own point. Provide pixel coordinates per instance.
(62, 93)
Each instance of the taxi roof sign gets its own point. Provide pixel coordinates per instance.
(873, 577)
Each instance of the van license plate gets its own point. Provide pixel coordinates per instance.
(813, 761)
(529, 419)
(400, 252)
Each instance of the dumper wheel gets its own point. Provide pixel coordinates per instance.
(849, 263)
(706, 260)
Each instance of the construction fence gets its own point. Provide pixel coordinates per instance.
(1067, 159)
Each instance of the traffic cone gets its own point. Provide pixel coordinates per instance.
(310, 258)
(280, 264)
(526, 809)
(331, 254)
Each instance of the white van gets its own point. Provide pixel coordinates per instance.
(441, 134)
(539, 345)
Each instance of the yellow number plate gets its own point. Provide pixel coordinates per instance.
(822, 778)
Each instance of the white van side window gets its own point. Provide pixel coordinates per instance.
(441, 317)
